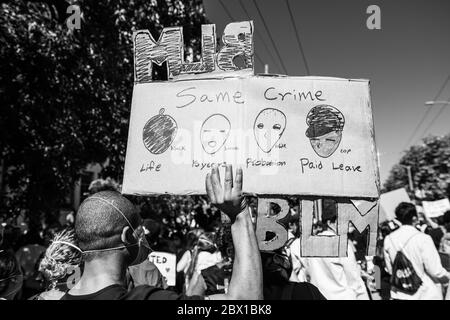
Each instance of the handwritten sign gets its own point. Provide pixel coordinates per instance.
(389, 202)
(311, 137)
(166, 264)
(434, 209)
(302, 136)
(235, 57)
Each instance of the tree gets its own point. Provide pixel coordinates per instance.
(430, 167)
(65, 94)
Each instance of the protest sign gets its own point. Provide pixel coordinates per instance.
(434, 209)
(235, 57)
(303, 136)
(166, 264)
(273, 235)
(389, 201)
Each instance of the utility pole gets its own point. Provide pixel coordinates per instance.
(410, 179)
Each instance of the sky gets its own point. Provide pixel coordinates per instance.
(407, 61)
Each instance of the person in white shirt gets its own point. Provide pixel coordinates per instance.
(421, 252)
(185, 261)
(337, 278)
(298, 268)
(204, 255)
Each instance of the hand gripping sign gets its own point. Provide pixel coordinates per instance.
(309, 137)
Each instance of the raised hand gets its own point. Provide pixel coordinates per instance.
(229, 198)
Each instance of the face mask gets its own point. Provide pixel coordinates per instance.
(144, 249)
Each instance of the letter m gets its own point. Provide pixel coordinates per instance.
(168, 48)
(363, 215)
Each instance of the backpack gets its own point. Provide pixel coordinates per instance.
(404, 278)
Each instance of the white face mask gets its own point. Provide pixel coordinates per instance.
(144, 246)
(139, 233)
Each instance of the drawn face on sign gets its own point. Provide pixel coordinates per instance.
(268, 128)
(214, 133)
(325, 125)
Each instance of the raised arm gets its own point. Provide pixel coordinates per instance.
(246, 279)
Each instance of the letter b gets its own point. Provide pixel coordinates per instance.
(270, 233)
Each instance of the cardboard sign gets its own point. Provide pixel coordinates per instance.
(235, 56)
(304, 136)
(336, 246)
(389, 202)
(166, 264)
(434, 209)
(272, 233)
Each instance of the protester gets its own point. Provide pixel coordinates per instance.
(146, 273)
(420, 251)
(277, 269)
(184, 258)
(444, 247)
(298, 273)
(185, 261)
(28, 257)
(205, 255)
(217, 277)
(11, 278)
(384, 229)
(336, 278)
(61, 260)
(445, 242)
(109, 233)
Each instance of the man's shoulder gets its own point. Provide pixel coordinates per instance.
(112, 292)
(141, 292)
(146, 292)
(305, 291)
(404, 232)
(407, 235)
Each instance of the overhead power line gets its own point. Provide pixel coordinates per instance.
(270, 37)
(435, 118)
(426, 113)
(232, 19)
(298, 38)
(260, 37)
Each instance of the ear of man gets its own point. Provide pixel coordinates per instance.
(127, 236)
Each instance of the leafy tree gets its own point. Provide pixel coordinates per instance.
(65, 94)
(430, 169)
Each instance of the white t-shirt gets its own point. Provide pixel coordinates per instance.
(337, 278)
(422, 253)
(206, 260)
(298, 269)
(185, 261)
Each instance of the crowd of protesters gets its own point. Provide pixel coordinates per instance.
(103, 254)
